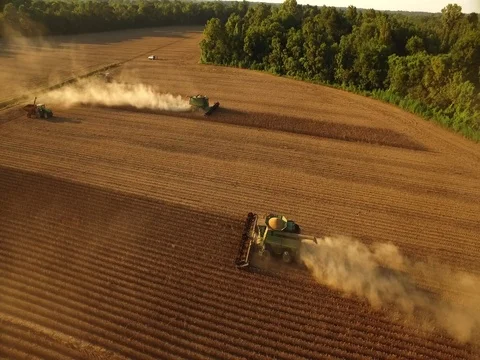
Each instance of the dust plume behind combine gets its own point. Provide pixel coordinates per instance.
(386, 278)
(98, 92)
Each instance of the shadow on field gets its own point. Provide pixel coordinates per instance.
(60, 120)
(112, 213)
(317, 128)
(299, 125)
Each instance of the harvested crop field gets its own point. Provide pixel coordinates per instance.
(119, 226)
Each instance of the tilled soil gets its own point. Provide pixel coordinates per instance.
(119, 227)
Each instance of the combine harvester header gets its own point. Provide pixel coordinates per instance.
(274, 235)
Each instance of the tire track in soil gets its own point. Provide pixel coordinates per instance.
(107, 238)
(67, 232)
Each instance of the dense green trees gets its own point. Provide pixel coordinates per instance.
(429, 64)
(33, 17)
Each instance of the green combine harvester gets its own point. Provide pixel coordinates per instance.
(201, 101)
(273, 235)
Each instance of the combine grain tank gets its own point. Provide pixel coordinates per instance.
(274, 235)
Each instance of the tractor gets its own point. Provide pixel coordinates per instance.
(201, 101)
(272, 236)
(38, 110)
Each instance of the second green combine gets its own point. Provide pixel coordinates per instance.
(201, 101)
(271, 236)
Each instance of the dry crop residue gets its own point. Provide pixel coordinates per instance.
(119, 228)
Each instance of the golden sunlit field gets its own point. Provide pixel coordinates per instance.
(119, 226)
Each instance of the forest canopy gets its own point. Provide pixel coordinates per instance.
(50, 17)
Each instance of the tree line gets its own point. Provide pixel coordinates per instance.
(428, 64)
(50, 17)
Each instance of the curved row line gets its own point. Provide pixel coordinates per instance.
(406, 234)
(217, 195)
(201, 307)
(187, 173)
(160, 290)
(76, 153)
(107, 334)
(324, 197)
(149, 333)
(138, 229)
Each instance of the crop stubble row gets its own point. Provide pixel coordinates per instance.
(173, 298)
(182, 252)
(323, 200)
(189, 170)
(100, 122)
(121, 261)
(376, 222)
(288, 159)
(145, 169)
(345, 172)
(120, 117)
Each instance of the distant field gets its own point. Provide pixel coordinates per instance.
(31, 64)
(119, 227)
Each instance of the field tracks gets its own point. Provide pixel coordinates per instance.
(80, 347)
(118, 232)
(6, 104)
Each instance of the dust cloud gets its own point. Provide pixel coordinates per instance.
(98, 92)
(386, 278)
(22, 62)
(33, 63)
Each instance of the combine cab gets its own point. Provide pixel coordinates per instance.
(201, 101)
(273, 235)
(38, 110)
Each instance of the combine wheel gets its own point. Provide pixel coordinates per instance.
(266, 254)
(287, 257)
(297, 229)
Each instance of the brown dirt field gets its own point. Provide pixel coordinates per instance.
(119, 228)
(30, 64)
